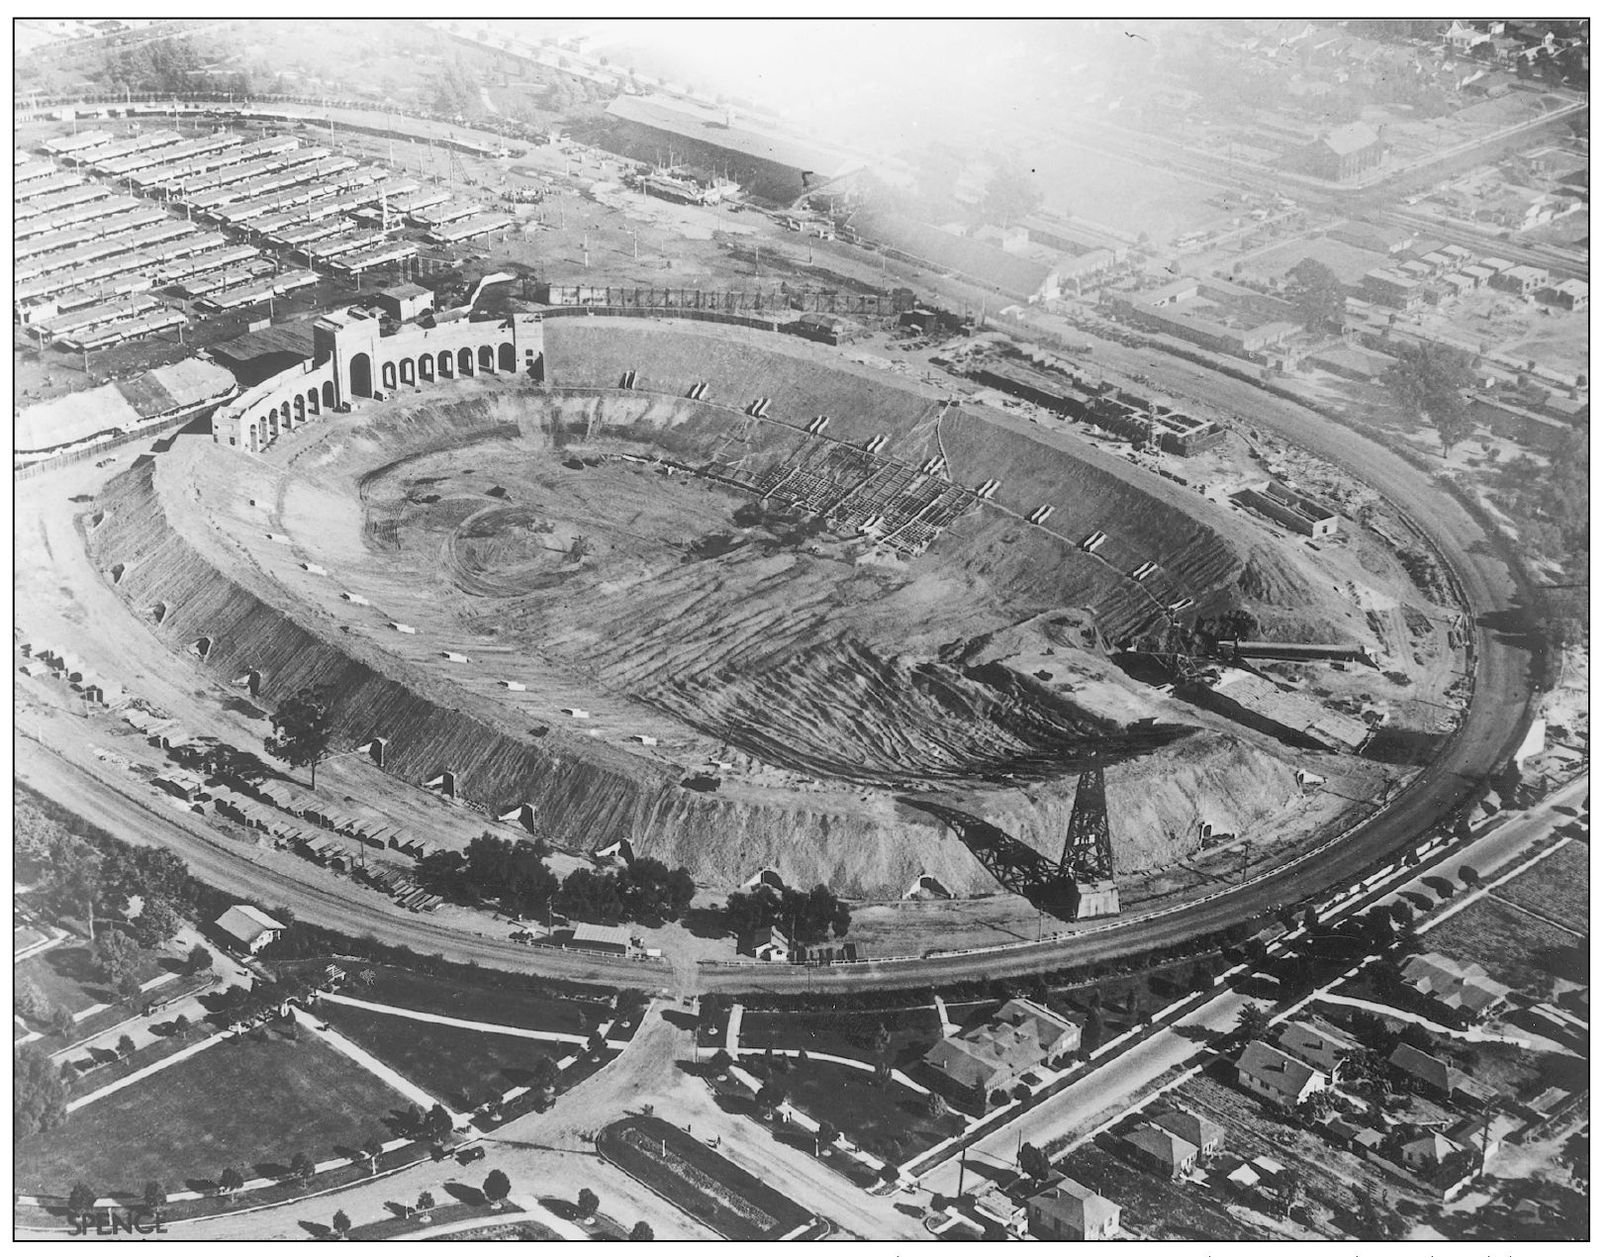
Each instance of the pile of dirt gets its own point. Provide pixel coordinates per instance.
(1270, 578)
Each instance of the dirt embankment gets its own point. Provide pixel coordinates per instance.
(581, 801)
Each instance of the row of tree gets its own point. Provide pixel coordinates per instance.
(804, 916)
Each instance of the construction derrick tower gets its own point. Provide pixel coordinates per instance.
(1086, 869)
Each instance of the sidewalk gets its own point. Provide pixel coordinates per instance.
(486, 1027)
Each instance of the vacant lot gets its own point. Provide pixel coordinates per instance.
(912, 1031)
(244, 1103)
(702, 1183)
(1151, 1206)
(1514, 946)
(891, 1122)
(451, 997)
(460, 1067)
(1329, 1174)
(1556, 887)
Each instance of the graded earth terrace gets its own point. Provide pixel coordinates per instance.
(722, 594)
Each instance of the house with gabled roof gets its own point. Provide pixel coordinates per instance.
(1067, 1210)
(1314, 1047)
(1208, 1137)
(1161, 1151)
(1271, 1073)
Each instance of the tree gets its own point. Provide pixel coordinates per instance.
(827, 1133)
(155, 1194)
(341, 1223)
(883, 1075)
(230, 1180)
(496, 1186)
(38, 1094)
(115, 956)
(128, 987)
(1442, 885)
(426, 1202)
(62, 1022)
(181, 1026)
(1252, 1022)
(1401, 912)
(438, 1125)
(1469, 875)
(156, 924)
(125, 1045)
(82, 1198)
(224, 762)
(302, 729)
(1035, 1163)
(1288, 1192)
(302, 1167)
(642, 1233)
(75, 878)
(29, 1000)
(587, 1203)
(1427, 382)
(1315, 290)
(720, 1061)
(936, 1104)
(1315, 1109)
(197, 959)
(1238, 624)
(544, 1073)
(1010, 195)
(769, 1096)
(372, 1149)
(891, 1173)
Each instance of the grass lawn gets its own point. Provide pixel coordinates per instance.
(892, 1122)
(1516, 948)
(244, 1103)
(699, 1181)
(445, 1060)
(66, 976)
(505, 1005)
(912, 1031)
(1556, 887)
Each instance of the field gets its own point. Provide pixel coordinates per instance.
(1556, 887)
(501, 1005)
(700, 1182)
(891, 1122)
(912, 1031)
(1514, 946)
(243, 1103)
(453, 1064)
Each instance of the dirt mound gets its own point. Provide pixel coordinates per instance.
(1270, 578)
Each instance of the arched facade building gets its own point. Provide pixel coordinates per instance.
(353, 360)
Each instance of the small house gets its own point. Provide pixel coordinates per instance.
(1067, 1210)
(1314, 1047)
(606, 938)
(764, 943)
(1160, 1151)
(1208, 1137)
(1271, 1073)
(250, 929)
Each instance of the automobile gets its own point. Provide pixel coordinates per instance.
(466, 1155)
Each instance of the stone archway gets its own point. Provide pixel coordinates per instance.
(388, 375)
(506, 356)
(427, 369)
(361, 376)
(444, 364)
(466, 361)
(329, 394)
(485, 358)
(405, 372)
(313, 400)
(299, 408)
